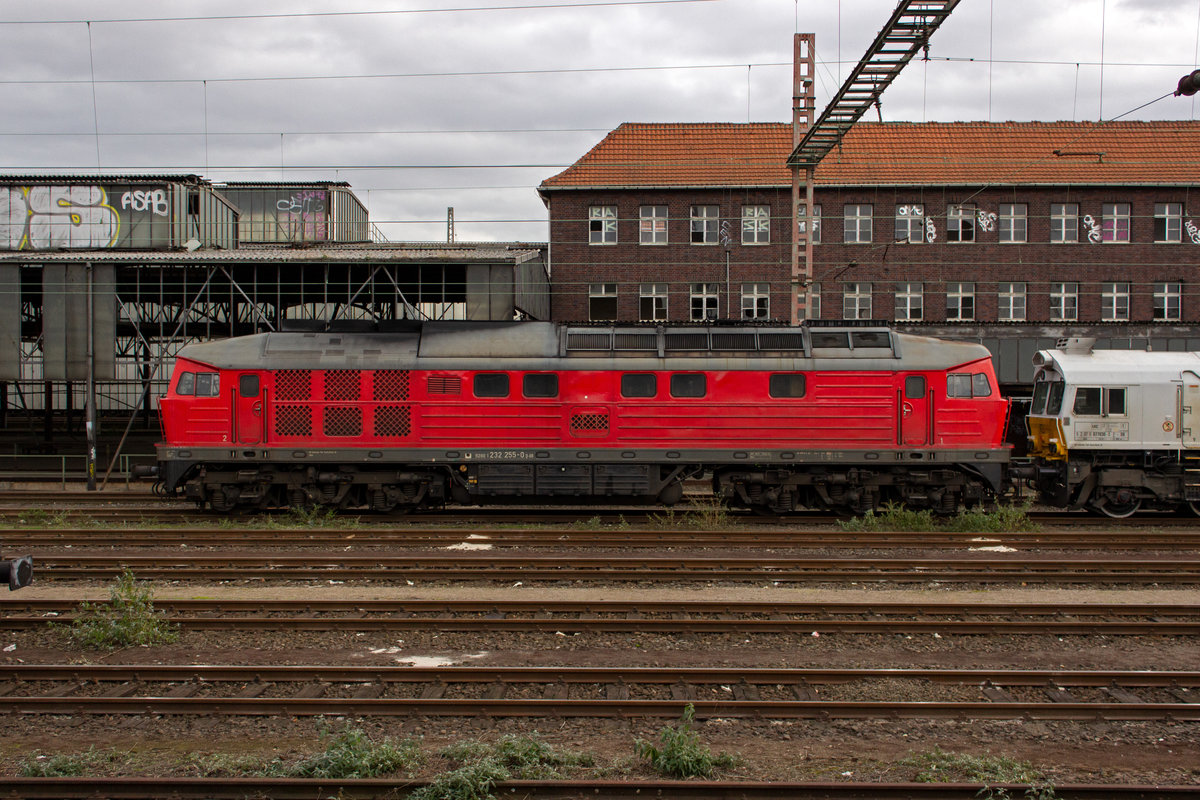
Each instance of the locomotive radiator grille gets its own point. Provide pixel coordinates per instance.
(589, 424)
(293, 420)
(342, 384)
(342, 421)
(293, 384)
(390, 384)
(393, 421)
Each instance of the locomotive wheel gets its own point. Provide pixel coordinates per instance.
(1194, 505)
(1118, 503)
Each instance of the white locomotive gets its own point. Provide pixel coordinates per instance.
(1115, 430)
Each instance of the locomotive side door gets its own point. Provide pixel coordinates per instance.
(248, 409)
(914, 412)
(1189, 410)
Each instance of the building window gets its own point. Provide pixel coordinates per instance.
(814, 302)
(910, 301)
(756, 301)
(910, 224)
(856, 301)
(602, 301)
(1064, 223)
(704, 301)
(705, 222)
(1014, 222)
(1114, 225)
(1064, 302)
(602, 225)
(960, 302)
(802, 223)
(960, 223)
(1168, 301)
(1010, 302)
(652, 304)
(857, 223)
(652, 224)
(756, 224)
(1168, 222)
(1114, 302)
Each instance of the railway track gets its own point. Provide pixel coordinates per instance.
(656, 617)
(464, 538)
(486, 566)
(370, 788)
(620, 692)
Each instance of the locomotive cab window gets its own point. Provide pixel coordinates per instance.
(1094, 401)
(914, 387)
(186, 384)
(1054, 398)
(966, 384)
(208, 384)
(787, 385)
(1114, 402)
(248, 385)
(639, 384)
(540, 384)
(688, 384)
(491, 384)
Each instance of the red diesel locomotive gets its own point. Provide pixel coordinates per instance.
(780, 418)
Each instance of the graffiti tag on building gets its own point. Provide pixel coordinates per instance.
(52, 217)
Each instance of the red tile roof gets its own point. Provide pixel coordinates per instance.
(893, 153)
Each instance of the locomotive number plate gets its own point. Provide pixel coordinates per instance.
(1102, 431)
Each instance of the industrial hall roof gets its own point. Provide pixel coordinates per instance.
(679, 155)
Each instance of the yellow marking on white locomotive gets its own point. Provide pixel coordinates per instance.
(1046, 438)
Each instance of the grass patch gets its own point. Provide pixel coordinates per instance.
(127, 620)
(679, 752)
(484, 764)
(66, 765)
(896, 517)
(697, 514)
(940, 766)
(349, 753)
(41, 518)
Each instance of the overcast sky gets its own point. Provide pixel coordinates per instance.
(473, 108)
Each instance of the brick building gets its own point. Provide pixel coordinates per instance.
(977, 230)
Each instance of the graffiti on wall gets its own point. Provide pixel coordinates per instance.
(305, 214)
(52, 217)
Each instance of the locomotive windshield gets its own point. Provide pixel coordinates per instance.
(1047, 398)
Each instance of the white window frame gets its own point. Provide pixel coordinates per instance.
(1064, 223)
(1014, 223)
(602, 225)
(1115, 223)
(960, 301)
(910, 301)
(602, 291)
(856, 301)
(705, 301)
(1064, 301)
(1168, 223)
(1114, 301)
(1168, 301)
(756, 301)
(706, 221)
(910, 223)
(652, 225)
(857, 223)
(756, 225)
(1011, 302)
(657, 295)
(960, 223)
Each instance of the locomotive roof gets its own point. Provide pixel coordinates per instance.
(1118, 366)
(546, 345)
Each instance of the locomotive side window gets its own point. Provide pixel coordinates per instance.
(248, 385)
(688, 384)
(187, 384)
(1114, 402)
(208, 384)
(639, 384)
(789, 384)
(980, 385)
(491, 384)
(1087, 401)
(914, 387)
(966, 384)
(540, 384)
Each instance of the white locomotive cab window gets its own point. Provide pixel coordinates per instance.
(1114, 402)
(1087, 401)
